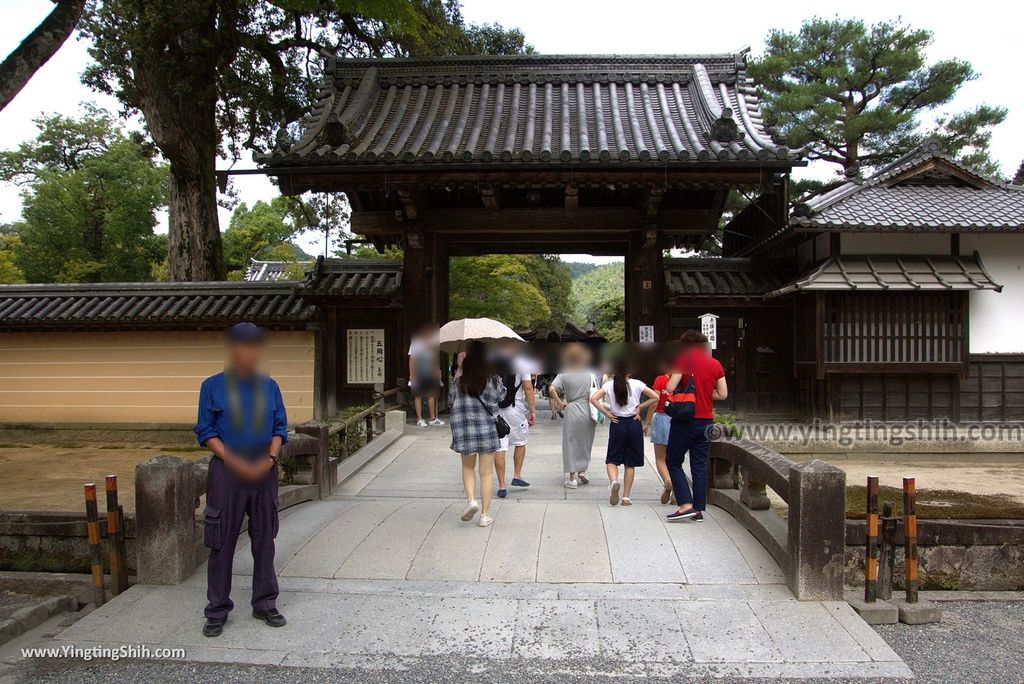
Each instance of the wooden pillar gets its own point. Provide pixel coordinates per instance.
(645, 287)
(424, 287)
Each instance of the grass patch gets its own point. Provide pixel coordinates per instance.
(937, 504)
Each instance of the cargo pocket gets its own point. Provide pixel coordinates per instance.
(274, 524)
(213, 529)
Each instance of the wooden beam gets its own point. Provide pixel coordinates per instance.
(301, 179)
(588, 220)
(572, 198)
(489, 196)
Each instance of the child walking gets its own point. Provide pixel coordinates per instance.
(625, 433)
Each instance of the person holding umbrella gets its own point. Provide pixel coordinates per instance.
(476, 424)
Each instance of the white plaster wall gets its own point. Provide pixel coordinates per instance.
(997, 318)
(895, 243)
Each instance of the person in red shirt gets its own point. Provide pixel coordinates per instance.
(692, 435)
(658, 425)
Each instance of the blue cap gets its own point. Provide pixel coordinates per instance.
(244, 333)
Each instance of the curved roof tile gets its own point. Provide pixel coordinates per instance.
(554, 109)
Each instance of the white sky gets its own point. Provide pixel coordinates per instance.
(984, 32)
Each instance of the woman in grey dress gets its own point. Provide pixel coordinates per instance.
(570, 391)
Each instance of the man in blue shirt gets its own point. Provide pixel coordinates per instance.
(242, 421)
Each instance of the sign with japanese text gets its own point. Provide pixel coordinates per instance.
(365, 358)
(709, 328)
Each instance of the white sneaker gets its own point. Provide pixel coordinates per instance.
(421, 423)
(613, 493)
(471, 508)
(570, 484)
(437, 421)
(485, 520)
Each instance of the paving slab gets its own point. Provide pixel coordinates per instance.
(514, 543)
(453, 549)
(641, 630)
(725, 632)
(573, 545)
(639, 547)
(707, 554)
(562, 630)
(324, 553)
(389, 549)
(803, 631)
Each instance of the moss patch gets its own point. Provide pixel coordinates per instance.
(936, 504)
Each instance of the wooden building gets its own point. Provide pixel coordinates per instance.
(906, 303)
(612, 155)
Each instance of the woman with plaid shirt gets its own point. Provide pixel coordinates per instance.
(474, 398)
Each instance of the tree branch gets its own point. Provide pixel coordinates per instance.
(37, 49)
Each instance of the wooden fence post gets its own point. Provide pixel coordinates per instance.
(92, 525)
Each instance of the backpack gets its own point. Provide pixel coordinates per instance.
(511, 389)
(682, 405)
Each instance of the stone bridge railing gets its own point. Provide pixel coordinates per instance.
(169, 541)
(810, 543)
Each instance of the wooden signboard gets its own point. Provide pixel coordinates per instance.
(365, 356)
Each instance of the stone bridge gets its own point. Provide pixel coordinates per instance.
(382, 572)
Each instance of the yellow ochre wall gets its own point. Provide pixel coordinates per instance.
(133, 377)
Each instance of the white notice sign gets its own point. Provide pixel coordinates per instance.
(646, 334)
(709, 327)
(365, 358)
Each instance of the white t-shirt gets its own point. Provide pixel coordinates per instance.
(636, 397)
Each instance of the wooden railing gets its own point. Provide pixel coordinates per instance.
(368, 417)
(810, 543)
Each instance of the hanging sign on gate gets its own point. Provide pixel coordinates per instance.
(709, 327)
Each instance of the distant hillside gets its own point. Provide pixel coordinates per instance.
(579, 268)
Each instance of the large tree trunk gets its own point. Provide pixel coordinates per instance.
(194, 246)
(178, 98)
(37, 49)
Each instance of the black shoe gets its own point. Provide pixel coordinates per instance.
(688, 514)
(213, 627)
(272, 617)
(699, 517)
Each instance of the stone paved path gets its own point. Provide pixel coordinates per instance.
(384, 573)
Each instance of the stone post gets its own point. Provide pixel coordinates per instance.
(394, 420)
(320, 458)
(166, 493)
(817, 531)
(721, 474)
(753, 494)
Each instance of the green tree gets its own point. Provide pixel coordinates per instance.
(857, 95)
(263, 232)
(90, 196)
(554, 280)
(609, 318)
(594, 290)
(9, 243)
(499, 286)
(212, 76)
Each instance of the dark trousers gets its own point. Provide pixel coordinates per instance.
(228, 499)
(689, 435)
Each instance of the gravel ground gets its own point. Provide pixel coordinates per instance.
(976, 642)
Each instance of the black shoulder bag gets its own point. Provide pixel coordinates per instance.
(500, 426)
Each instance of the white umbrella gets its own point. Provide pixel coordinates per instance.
(455, 334)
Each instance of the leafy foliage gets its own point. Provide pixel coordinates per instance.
(600, 297)
(9, 243)
(90, 197)
(856, 94)
(263, 232)
(497, 286)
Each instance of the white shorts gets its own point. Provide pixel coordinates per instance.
(520, 430)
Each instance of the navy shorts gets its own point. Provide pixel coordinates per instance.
(626, 443)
